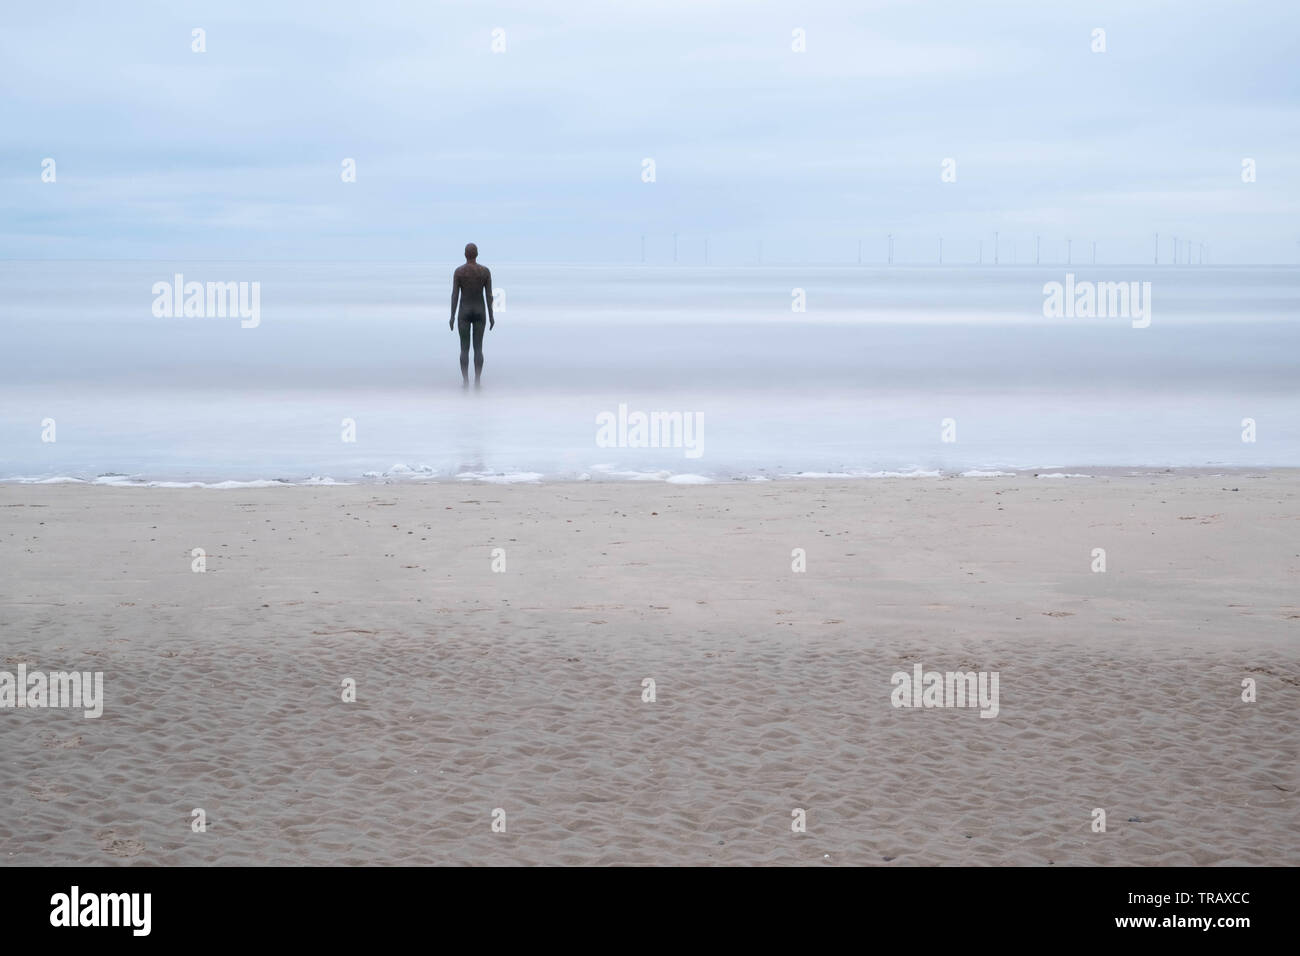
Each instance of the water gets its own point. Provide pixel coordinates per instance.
(858, 384)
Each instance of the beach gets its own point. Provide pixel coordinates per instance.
(499, 638)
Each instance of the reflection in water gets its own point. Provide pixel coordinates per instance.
(469, 439)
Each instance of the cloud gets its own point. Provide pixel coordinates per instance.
(162, 149)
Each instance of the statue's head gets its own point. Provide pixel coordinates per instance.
(471, 251)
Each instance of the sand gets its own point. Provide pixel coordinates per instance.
(522, 690)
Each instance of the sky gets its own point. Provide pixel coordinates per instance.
(761, 153)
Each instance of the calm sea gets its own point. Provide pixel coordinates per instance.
(908, 370)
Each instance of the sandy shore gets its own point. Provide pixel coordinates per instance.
(522, 689)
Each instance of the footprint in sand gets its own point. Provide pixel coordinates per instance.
(110, 844)
(45, 792)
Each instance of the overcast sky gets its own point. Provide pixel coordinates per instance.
(536, 153)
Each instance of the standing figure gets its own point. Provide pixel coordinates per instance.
(471, 284)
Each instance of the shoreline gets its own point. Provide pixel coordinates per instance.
(415, 477)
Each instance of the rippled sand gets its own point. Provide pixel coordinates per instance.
(522, 690)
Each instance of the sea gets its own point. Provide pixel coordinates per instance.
(685, 374)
